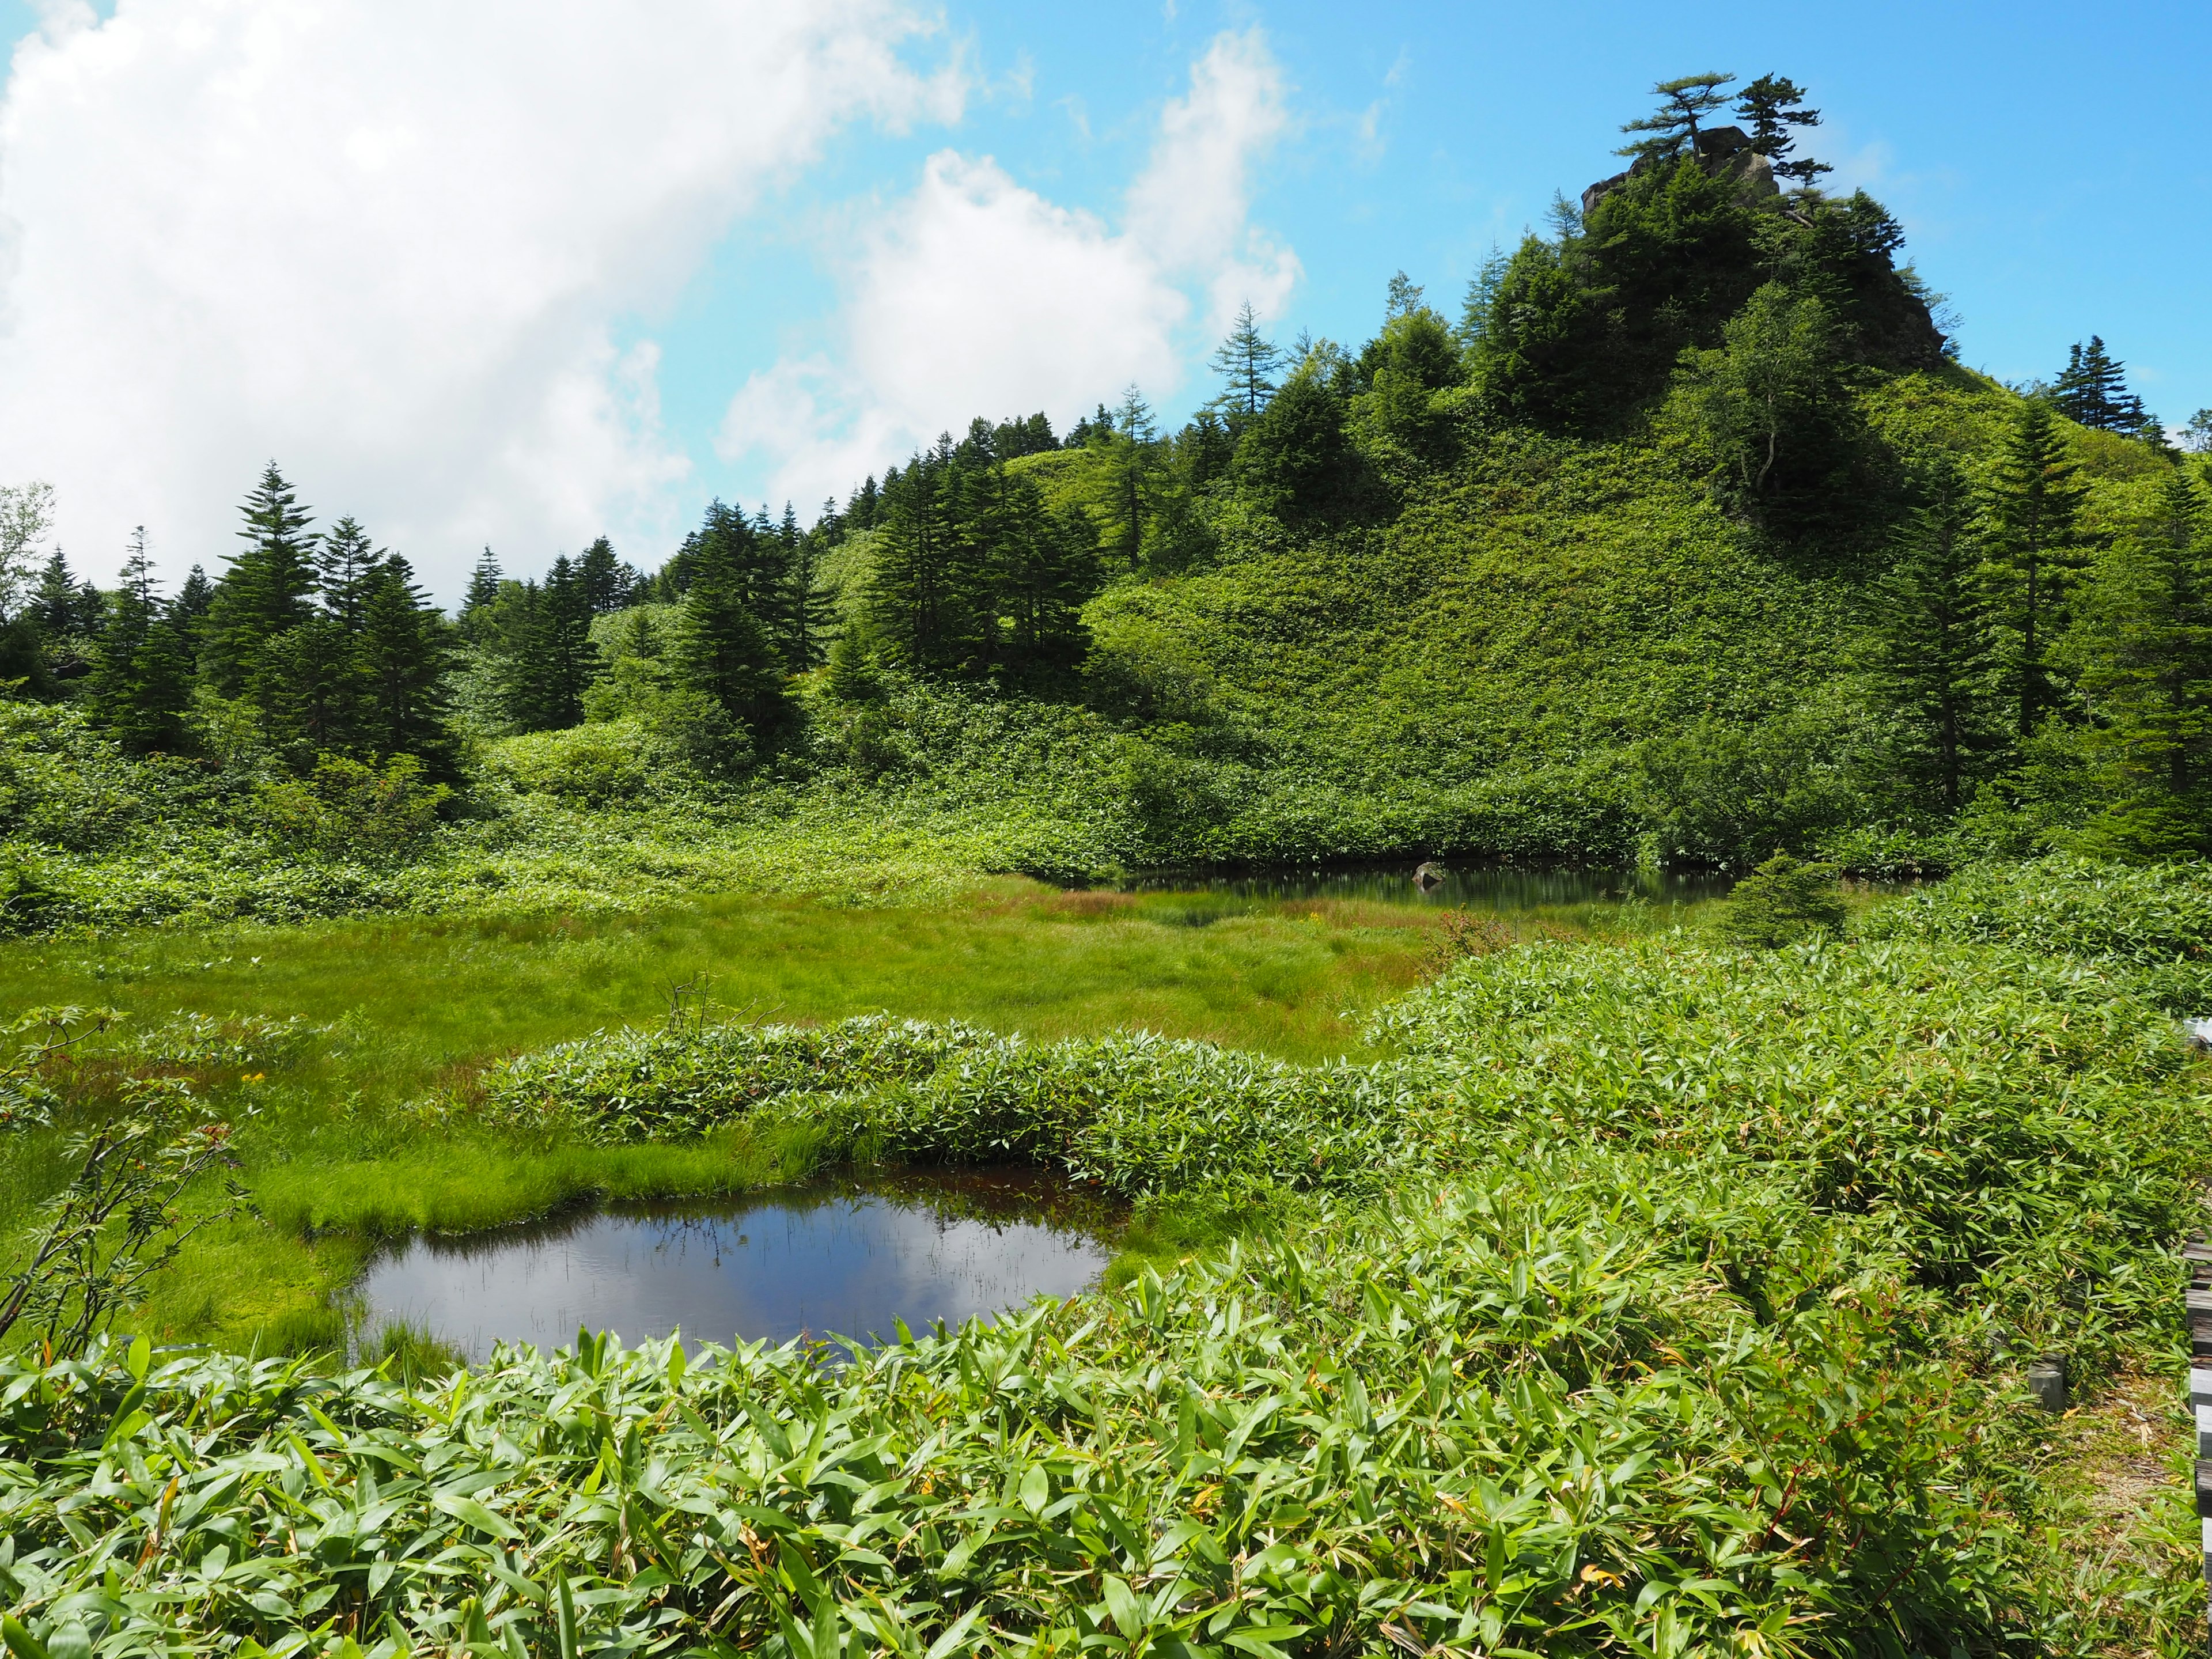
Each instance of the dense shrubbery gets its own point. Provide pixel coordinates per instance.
(1672, 1295)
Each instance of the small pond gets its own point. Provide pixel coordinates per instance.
(845, 1259)
(1477, 886)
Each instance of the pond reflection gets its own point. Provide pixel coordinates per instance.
(1503, 887)
(840, 1259)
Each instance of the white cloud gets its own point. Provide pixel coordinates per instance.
(977, 296)
(388, 242)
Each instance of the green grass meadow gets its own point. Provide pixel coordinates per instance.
(338, 1154)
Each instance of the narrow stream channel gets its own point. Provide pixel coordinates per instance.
(841, 1259)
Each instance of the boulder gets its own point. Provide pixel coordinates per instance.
(1722, 151)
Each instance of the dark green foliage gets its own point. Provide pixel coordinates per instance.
(1297, 459)
(401, 656)
(2093, 390)
(1246, 362)
(719, 650)
(1772, 105)
(1402, 370)
(2146, 646)
(267, 590)
(1672, 130)
(141, 682)
(608, 582)
(975, 575)
(1782, 902)
(2034, 538)
(1932, 677)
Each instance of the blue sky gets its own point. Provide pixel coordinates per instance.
(2050, 165)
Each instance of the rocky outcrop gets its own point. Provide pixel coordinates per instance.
(1723, 152)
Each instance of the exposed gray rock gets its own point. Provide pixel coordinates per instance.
(1722, 151)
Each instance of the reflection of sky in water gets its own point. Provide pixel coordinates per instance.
(847, 1265)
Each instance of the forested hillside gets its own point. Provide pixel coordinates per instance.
(1685, 539)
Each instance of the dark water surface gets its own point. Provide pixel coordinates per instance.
(1476, 886)
(845, 1259)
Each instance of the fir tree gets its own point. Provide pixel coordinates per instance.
(1932, 667)
(1136, 460)
(190, 605)
(484, 584)
(266, 590)
(2148, 671)
(718, 650)
(607, 580)
(303, 683)
(342, 559)
(922, 605)
(2093, 390)
(402, 655)
(140, 680)
(61, 606)
(1044, 567)
(2034, 538)
(1246, 362)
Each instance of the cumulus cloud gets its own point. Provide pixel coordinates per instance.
(388, 242)
(978, 296)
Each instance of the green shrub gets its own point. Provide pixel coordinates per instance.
(1783, 901)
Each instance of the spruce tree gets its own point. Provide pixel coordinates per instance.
(63, 607)
(266, 590)
(343, 560)
(2093, 390)
(193, 601)
(718, 650)
(2032, 538)
(1932, 666)
(402, 655)
(607, 580)
(483, 583)
(1246, 362)
(305, 683)
(140, 684)
(2147, 646)
(921, 607)
(1135, 442)
(1044, 567)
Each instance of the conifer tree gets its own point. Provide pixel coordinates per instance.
(1044, 567)
(305, 683)
(1674, 127)
(61, 606)
(266, 590)
(193, 601)
(607, 580)
(1136, 460)
(1932, 666)
(718, 650)
(2147, 642)
(2093, 390)
(140, 685)
(402, 655)
(2032, 538)
(1772, 105)
(921, 607)
(483, 583)
(1246, 362)
(342, 559)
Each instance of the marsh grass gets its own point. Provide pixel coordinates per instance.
(318, 1037)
